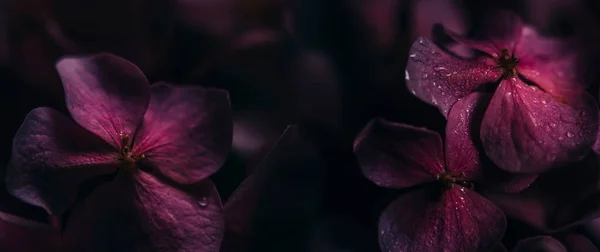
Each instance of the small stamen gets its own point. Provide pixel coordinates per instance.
(448, 180)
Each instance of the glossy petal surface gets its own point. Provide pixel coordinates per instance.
(397, 155)
(187, 132)
(462, 155)
(539, 243)
(551, 208)
(462, 145)
(105, 94)
(141, 213)
(525, 130)
(52, 156)
(550, 64)
(460, 220)
(440, 79)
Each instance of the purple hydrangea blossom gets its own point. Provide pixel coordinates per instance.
(540, 115)
(161, 141)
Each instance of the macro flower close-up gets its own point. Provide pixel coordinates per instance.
(299, 126)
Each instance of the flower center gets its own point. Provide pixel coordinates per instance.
(127, 156)
(508, 62)
(448, 180)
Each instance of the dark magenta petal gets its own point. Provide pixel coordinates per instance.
(526, 130)
(461, 220)
(578, 243)
(51, 157)
(427, 13)
(138, 212)
(562, 198)
(105, 94)
(187, 132)
(440, 79)
(502, 31)
(541, 244)
(462, 155)
(397, 155)
(29, 239)
(549, 63)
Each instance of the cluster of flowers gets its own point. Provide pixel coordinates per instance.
(519, 138)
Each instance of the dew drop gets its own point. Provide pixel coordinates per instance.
(406, 75)
(570, 134)
(413, 55)
(561, 138)
(203, 202)
(439, 68)
(553, 125)
(541, 141)
(413, 92)
(443, 93)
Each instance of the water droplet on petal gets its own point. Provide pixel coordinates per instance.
(570, 134)
(561, 138)
(203, 202)
(553, 125)
(413, 55)
(541, 141)
(406, 75)
(439, 68)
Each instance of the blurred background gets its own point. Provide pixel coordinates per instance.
(327, 66)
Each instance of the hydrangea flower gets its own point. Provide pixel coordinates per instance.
(440, 210)
(539, 117)
(570, 243)
(159, 142)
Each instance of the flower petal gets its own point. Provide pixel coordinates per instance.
(51, 157)
(551, 208)
(105, 94)
(540, 243)
(427, 13)
(140, 213)
(187, 132)
(526, 130)
(502, 31)
(440, 79)
(397, 155)
(27, 239)
(551, 64)
(462, 155)
(461, 220)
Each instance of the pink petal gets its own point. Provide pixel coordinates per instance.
(558, 200)
(461, 220)
(397, 155)
(526, 130)
(105, 94)
(462, 155)
(187, 132)
(440, 79)
(27, 239)
(52, 156)
(240, 208)
(427, 13)
(138, 212)
(503, 32)
(550, 64)
(540, 243)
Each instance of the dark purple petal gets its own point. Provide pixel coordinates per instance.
(462, 155)
(502, 31)
(549, 63)
(427, 13)
(578, 243)
(526, 130)
(105, 94)
(540, 243)
(397, 155)
(461, 220)
(440, 79)
(559, 199)
(186, 133)
(29, 239)
(138, 212)
(51, 157)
